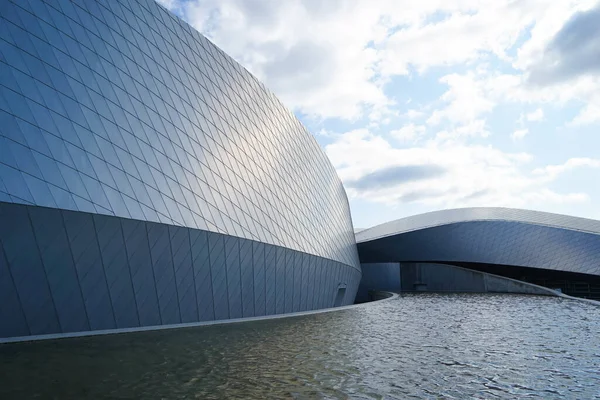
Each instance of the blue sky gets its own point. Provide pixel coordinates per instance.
(432, 104)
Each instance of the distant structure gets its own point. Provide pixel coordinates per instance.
(417, 253)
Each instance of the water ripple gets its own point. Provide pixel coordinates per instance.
(418, 346)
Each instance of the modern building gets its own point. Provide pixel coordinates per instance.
(147, 179)
(440, 250)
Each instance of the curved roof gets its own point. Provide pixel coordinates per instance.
(499, 236)
(146, 119)
(445, 217)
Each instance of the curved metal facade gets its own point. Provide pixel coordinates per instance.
(488, 236)
(125, 136)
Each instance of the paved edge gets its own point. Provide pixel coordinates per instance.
(54, 336)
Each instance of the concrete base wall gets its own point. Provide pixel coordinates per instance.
(431, 277)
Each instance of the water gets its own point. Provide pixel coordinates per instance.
(418, 346)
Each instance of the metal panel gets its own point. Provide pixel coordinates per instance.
(202, 274)
(234, 288)
(116, 268)
(259, 278)
(289, 267)
(142, 274)
(62, 277)
(280, 280)
(270, 279)
(25, 267)
(11, 312)
(218, 271)
(90, 271)
(164, 275)
(311, 300)
(247, 283)
(297, 275)
(184, 274)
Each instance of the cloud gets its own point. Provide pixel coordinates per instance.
(551, 172)
(475, 128)
(302, 50)
(408, 133)
(574, 50)
(413, 114)
(589, 114)
(519, 134)
(535, 116)
(472, 174)
(336, 58)
(169, 4)
(465, 100)
(396, 175)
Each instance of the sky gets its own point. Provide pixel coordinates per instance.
(432, 104)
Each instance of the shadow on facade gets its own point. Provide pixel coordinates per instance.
(571, 283)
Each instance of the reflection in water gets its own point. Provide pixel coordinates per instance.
(417, 346)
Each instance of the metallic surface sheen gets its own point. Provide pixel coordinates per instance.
(146, 178)
(499, 236)
(120, 108)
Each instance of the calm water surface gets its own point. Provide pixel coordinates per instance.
(419, 346)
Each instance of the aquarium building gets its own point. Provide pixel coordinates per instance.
(469, 249)
(147, 179)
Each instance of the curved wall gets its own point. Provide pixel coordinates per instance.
(117, 109)
(488, 236)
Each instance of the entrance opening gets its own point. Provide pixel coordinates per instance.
(341, 293)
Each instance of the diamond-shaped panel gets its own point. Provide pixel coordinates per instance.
(116, 268)
(90, 270)
(184, 274)
(26, 268)
(164, 274)
(60, 270)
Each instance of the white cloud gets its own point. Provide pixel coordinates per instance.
(408, 133)
(519, 134)
(589, 114)
(465, 100)
(535, 116)
(550, 172)
(472, 175)
(315, 56)
(170, 4)
(413, 114)
(334, 58)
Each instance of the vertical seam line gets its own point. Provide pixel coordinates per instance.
(137, 310)
(189, 237)
(173, 267)
(12, 279)
(112, 307)
(37, 245)
(87, 317)
(146, 226)
(212, 288)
